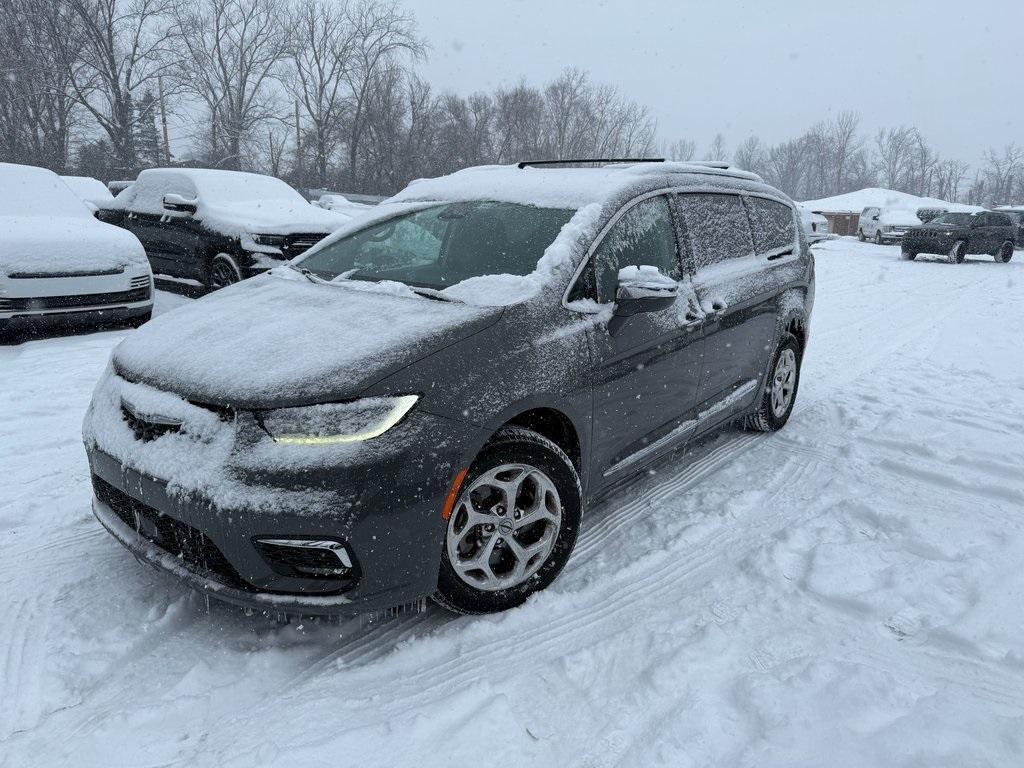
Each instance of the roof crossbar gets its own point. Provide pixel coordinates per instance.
(606, 160)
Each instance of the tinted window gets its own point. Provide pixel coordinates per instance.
(772, 224)
(998, 220)
(717, 227)
(644, 235)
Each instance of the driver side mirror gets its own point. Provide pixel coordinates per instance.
(180, 204)
(641, 289)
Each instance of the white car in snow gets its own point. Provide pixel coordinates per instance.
(341, 204)
(58, 263)
(92, 192)
(885, 225)
(816, 226)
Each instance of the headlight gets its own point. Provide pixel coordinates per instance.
(335, 423)
(276, 241)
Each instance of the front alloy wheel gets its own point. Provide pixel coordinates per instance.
(957, 252)
(514, 524)
(776, 404)
(1005, 252)
(878, 237)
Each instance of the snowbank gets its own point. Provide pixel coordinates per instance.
(46, 228)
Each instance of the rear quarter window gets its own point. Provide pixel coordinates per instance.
(771, 224)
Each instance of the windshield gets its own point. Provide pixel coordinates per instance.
(443, 245)
(956, 219)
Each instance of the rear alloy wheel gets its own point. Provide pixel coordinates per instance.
(1005, 252)
(860, 235)
(223, 272)
(780, 390)
(907, 255)
(878, 237)
(513, 527)
(957, 252)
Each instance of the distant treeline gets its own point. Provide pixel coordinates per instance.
(325, 93)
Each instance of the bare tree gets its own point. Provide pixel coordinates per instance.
(110, 50)
(381, 35)
(949, 177)
(1002, 173)
(716, 150)
(37, 108)
(786, 166)
(680, 149)
(234, 52)
(895, 149)
(321, 55)
(751, 156)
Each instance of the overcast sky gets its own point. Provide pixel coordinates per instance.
(771, 68)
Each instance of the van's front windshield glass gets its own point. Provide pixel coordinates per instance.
(443, 245)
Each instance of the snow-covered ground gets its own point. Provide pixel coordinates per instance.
(848, 592)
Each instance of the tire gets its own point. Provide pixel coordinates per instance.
(878, 237)
(1005, 252)
(507, 581)
(957, 252)
(907, 255)
(768, 417)
(222, 272)
(860, 235)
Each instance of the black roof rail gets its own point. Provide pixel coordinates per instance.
(605, 160)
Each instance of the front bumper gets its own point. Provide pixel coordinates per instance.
(85, 298)
(387, 512)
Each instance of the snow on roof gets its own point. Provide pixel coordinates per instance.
(855, 202)
(554, 187)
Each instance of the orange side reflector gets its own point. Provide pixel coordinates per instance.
(453, 494)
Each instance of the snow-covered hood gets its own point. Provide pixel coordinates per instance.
(65, 244)
(271, 341)
(272, 217)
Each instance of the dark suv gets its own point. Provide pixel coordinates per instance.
(217, 227)
(425, 404)
(957, 235)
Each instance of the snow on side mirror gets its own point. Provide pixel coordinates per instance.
(644, 289)
(179, 204)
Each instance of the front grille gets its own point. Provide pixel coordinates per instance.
(146, 430)
(69, 273)
(71, 302)
(190, 545)
(295, 245)
(142, 281)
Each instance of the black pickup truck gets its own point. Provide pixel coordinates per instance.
(957, 235)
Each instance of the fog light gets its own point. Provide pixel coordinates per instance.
(309, 558)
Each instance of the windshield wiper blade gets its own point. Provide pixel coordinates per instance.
(306, 273)
(430, 293)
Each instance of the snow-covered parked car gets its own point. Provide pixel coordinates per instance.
(816, 227)
(217, 227)
(341, 204)
(92, 192)
(58, 263)
(424, 403)
(885, 225)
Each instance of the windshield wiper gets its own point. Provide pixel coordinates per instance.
(306, 273)
(429, 293)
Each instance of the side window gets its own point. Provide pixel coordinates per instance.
(643, 236)
(717, 227)
(771, 223)
(998, 220)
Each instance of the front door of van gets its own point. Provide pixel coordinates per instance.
(646, 370)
